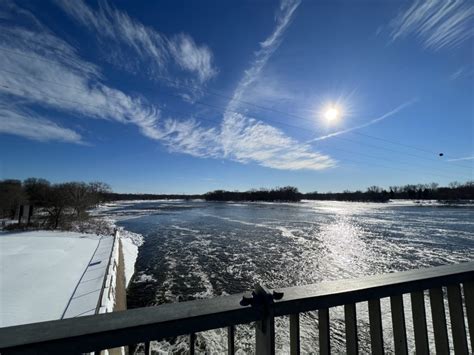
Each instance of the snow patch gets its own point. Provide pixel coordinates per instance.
(144, 278)
(130, 243)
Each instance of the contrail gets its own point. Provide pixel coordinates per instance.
(465, 158)
(267, 48)
(375, 120)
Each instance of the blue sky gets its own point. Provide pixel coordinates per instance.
(187, 97)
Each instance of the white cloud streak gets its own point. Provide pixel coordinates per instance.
(367, 124)
(463, 72)
(158, 51)
(464, 158)
(439, 24)
(38, 68)
(20, 122)
(267, 48)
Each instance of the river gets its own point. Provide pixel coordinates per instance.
(198, 249)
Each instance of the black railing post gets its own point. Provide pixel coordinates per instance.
(265, 328)
(231, 340)
(192, 343)
(147, 348)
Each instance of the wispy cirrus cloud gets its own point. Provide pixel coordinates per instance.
(438, 24)
(367, 124)
(53, 76)
(18, 121)
(248, 140)
(51, 80)
(189, 137)
(160, 52)
(462, 72)
(37, 68)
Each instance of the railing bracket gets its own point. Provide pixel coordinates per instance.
(260, 296)
(263, 299)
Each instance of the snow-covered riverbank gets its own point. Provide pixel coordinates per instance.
(47, 275)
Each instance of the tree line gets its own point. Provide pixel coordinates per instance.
(53, 204)
(455, 191)
(283, 194)
(115, 196)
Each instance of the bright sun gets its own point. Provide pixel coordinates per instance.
(332, 114)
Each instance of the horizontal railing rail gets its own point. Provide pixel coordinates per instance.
(142, 325)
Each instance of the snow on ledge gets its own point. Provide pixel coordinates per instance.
(40, 272)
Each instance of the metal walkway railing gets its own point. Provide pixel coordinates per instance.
(142, 325)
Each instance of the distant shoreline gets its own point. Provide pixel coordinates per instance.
(455, 193)
(414, 202)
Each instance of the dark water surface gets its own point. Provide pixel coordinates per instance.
(197, 249)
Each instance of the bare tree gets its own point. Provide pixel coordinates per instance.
(374, 189)
(56, 203)
(11, 196)
(36, 190)
(454, 184)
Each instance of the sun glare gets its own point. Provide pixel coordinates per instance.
(332, 113)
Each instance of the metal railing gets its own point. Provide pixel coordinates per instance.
(142, 325)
